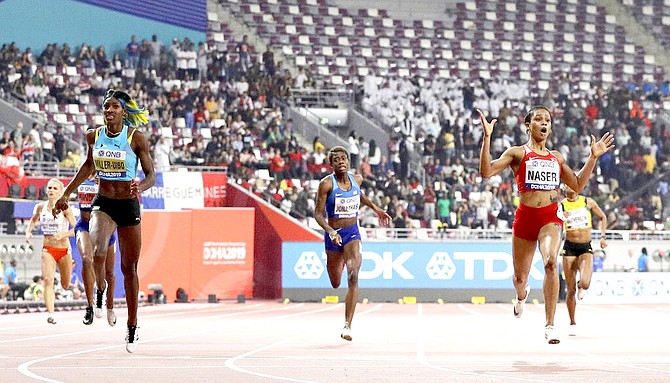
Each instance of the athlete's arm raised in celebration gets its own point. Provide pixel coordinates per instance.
(578, 181)
(487, 166)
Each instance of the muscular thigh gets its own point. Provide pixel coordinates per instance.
(101, 228)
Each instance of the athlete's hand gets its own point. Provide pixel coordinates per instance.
(29, 236)
(135, 187)
(384, 218)
(601, 147)
(60, 206)
(603, 243)
(335, 237)
(488, 126)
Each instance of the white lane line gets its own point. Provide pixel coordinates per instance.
(467, 310)
(24, 368)
(608, 360)
(230, 363)
(107, 329)
(422, 359)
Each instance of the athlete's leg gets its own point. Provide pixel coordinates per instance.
(110, 277)
(549, 240)
(353, 259)
(65, 269)
(101, 228)
(570, 270)
(335, 265)
(522, 256)
(49, 273)
(585, 270)
(87, 273)
(130, 245)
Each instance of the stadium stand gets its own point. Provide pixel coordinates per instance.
(424, 74)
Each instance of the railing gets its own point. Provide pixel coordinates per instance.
(466, 234)
(320, 98)
(48, 169)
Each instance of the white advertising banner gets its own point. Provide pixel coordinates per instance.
(625, 288)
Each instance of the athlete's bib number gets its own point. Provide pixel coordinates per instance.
(347, 207)
(577, 219)
(542, 174)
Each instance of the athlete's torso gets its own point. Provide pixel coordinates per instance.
(538, 172)
(50, 225)
(343, 203)
(114, 157)
(577, 214)
(86, 191)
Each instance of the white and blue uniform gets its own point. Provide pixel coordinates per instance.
(343, 204)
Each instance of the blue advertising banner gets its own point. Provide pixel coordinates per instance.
(469, 265)
(154, 198)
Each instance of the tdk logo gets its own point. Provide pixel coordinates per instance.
(309, 266)
(440, 266)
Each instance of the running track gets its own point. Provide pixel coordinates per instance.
(267, 341)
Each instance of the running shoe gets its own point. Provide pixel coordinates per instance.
(131, 339)
(88, 317)
(519, 304)
(581, 293)
(573, 330)
(111, 317)
(551, 334)
(51, 320)
(99, 299)
(346, 332)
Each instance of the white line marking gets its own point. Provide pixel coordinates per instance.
(230, 363)
(421, 357)
(24, 368)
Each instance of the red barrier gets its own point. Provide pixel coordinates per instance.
(272, 228)
(203, 251)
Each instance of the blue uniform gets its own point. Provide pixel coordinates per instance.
(343, 204)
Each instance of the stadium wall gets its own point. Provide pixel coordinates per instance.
(36, 23)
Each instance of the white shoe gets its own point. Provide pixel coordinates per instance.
(573, 330)
(551, 334)
(111, 317)
(581, 293)
(519, 304)
(131, 339)
(346, 332)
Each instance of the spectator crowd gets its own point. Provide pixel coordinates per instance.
(223, 109)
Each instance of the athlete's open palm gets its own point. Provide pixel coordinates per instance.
(601, 147)
(488, 126)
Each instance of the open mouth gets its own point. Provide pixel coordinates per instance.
(543, 130)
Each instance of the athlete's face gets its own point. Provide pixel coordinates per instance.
(540, 125)
(54, 190)
(339, 161)
(571, 194)
(113, 112)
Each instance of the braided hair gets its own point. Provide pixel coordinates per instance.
(135, 114)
